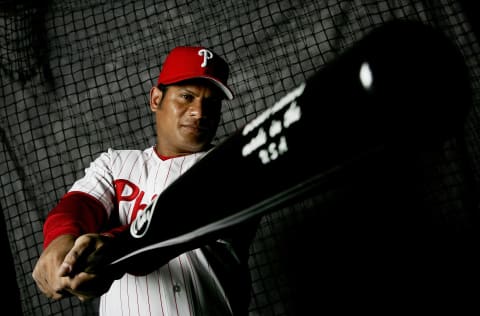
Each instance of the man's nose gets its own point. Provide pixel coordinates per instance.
(196, 108)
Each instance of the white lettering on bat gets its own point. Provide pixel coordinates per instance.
(255, 142)
(292, 115)
(274, 109)
(275, 128)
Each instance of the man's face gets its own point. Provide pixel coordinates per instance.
(187, 116)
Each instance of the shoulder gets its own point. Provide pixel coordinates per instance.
(113, 153)
(112, 156)
(190, 158)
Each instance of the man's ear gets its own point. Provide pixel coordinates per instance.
(155, 98)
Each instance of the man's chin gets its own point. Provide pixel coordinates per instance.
(197, 142)
(196, 146)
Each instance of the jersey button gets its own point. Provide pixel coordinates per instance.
(177, 288)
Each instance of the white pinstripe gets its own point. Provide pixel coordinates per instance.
(184, 286)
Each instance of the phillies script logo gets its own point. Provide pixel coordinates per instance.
(140, 225)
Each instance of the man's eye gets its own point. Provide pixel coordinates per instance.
(187, 97)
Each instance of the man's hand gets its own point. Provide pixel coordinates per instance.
(70, 266)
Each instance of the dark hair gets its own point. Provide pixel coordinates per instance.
(162, 87)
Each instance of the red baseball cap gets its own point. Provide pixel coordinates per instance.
(189, 62)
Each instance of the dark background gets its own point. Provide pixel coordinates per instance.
(74, 80)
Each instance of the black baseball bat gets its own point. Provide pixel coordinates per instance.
(402, 83)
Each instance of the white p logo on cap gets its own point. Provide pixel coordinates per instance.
(206, 56)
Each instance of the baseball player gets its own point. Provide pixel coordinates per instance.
(210, 280)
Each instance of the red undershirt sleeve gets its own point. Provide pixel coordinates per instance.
(75, 214)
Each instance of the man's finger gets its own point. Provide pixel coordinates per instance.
(65, 269)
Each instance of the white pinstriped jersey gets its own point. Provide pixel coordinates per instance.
(187, 285)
